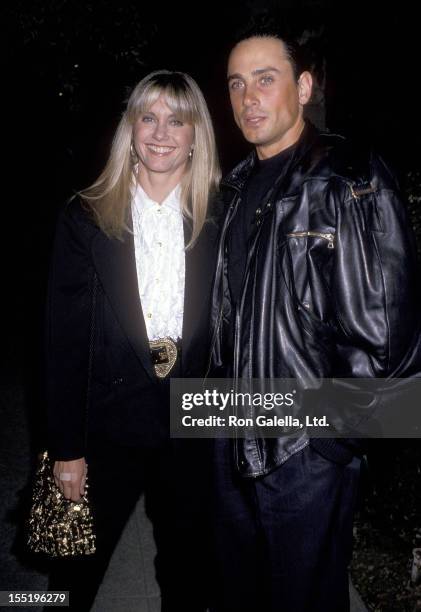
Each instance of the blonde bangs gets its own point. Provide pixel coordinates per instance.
(180, 104)
(177, 99)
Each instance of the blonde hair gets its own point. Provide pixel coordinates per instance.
(110, 195)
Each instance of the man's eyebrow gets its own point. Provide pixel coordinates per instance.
(256, 72)
(266, 69)
(236, 75)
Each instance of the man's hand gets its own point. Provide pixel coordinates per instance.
(70, 478)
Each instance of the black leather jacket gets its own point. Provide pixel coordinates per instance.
(329, 288)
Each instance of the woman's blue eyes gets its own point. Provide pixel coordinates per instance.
(172, 122)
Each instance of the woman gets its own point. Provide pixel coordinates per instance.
(128, 308)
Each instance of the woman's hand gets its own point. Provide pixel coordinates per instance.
(70, 477)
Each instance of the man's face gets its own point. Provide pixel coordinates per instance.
(266, 98)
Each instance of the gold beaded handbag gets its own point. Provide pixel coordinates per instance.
(57, 526)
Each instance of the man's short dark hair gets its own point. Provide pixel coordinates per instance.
(263, 26)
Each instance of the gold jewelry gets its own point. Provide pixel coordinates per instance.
(58, 526)
(133, 154)
(164, 356)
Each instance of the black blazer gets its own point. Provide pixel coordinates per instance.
(128, 403)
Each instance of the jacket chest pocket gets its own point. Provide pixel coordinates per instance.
(328, 237)
(310, 256)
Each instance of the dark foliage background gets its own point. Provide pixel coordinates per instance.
(67, 67)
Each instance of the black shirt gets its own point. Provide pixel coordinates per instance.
(243, 225)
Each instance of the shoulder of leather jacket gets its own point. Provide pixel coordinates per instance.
(356, 163)
(320, 154)
(325, 155)
(331, 155)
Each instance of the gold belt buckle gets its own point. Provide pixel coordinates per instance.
(164, 356)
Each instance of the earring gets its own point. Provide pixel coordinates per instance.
(191, 153)
(133, 153)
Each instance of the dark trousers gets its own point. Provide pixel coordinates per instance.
(118, 475)
(283, 542)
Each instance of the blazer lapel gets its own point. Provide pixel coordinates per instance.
(187, 314)
(198, 279)
(116, 267)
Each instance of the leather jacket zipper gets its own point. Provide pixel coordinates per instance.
(325, 236)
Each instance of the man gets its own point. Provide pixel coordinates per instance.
(316, 266)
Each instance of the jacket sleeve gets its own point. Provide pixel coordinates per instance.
(68, 320)
(374, 277)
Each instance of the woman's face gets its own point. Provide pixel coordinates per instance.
(162, 141)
